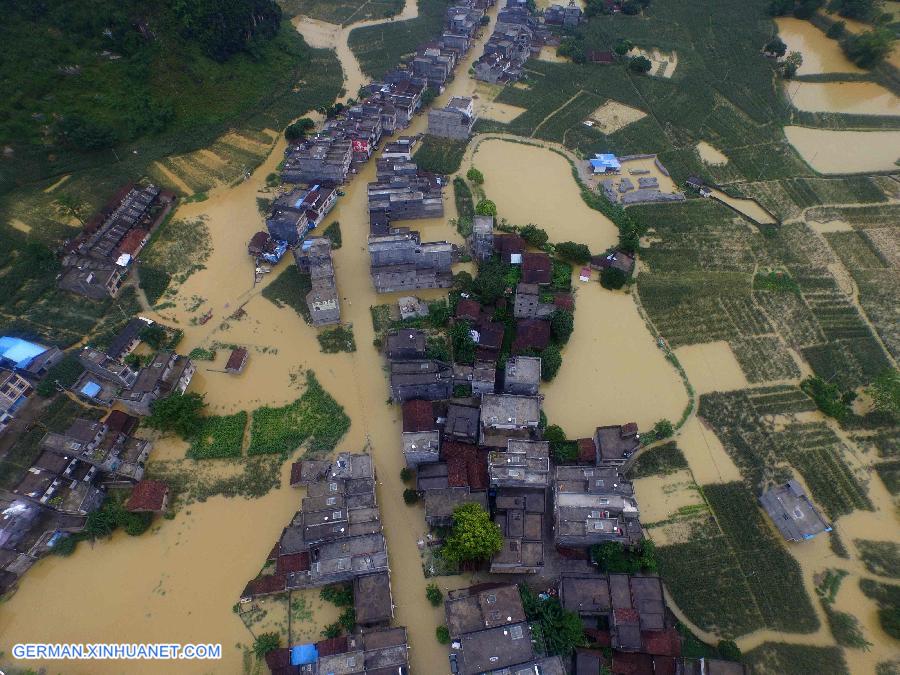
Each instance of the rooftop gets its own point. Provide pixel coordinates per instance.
(470, 610)
(793, 513)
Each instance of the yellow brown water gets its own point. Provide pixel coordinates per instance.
(820, 53)
(711, 366)
(834, 152)
(612, 371)
(530, 184)
(749, 207)
(852, 98)
(706, 456)
(711, 155)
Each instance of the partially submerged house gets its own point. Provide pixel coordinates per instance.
(236, 361)
(793, 513)
(483, 238)
(295, 213)
(148, 496)
(616, 443)
(421, 447)
(128, 338)
(455, 120)
(372, 599)
(593, 505)
(522, 375)
(405, 344)
(527, 303)
(401, 262)
(322, 159)
(504, 417)
(425, 379)
(313, 257)
(167, 373)
(462, 423)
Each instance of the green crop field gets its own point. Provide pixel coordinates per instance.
(342, 11)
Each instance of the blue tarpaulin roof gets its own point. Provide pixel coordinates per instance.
(19, 351)
(90, 389)
(605, 161)
(303, 654)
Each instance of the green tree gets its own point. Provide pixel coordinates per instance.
(154, 335)
(640, 64)
(340, 595)
(298, 130)
(473, 536)
(442, 634)
(332, 630)
(551, 360)
(63, 374)
(406, 474)
(534, 236)
(613, 278)
(72, 206)
(347, 619)
(775, 46)
(869, 49)
(434, 595)
(486, 208)
(491, 282)
(791, 64)
(410, 496)
(885, 392)
(225, 27)
(729, 650)
(462, 343)
(265, 643)
(177, 412)
(663, 429)
(428, 96)
(836, 30)
(623, 47)
(475, 176)
(562, 323)
(576, 253)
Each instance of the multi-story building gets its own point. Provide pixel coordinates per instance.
(455, 120)
(593, 505)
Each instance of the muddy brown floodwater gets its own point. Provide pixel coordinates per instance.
(852, 98)
(180, 582)
(820, 53)
(829, 151)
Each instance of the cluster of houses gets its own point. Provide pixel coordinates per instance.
(638, 187)
(22, 365)
(97, 262)
(518, 35)
(336, 537)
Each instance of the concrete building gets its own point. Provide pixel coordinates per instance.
(400, 262)
(793, 513)
(313, 257)
(92, 278)
(616, 443)
(469, 610)
(593, 505)
(568, 16)
(522, 375)
(168, 373)
(372, 599)
(462, 423)
(527, 303)
(520, 516)
(14, 393)
(484, 377)
(422, 447)
(455, 120)
(524, 464)
(440, 503)
(103, 366)
(505, 417)
(426, 379)
(405, 344)
(320, 160)
(483, 238)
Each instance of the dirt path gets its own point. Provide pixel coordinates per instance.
(543, 121)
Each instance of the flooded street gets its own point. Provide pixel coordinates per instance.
(829, 151)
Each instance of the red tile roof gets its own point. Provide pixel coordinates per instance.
(587, 451)
(292, 562)
(264, 585)
(332, 646)
(237, 359)
(531, 334)
(133, 241)
(258, 242)
(536, 268)
(468, 309)
(120, 422)
(564, 301)
(466, 465)
(490, 335)
(624, 663)
(278, 659)
(296, 473)
(661, 642)
(148, 495)
(627, 615)
(418, 416)
(509, 243)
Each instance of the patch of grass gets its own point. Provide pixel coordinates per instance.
(339, 339)
(315, 419)
(462, 195)
(781, 658)
(333, 234)
(439, 155)
(380, 48)
(845, 629)
(661, 460)
(153, 281)
(201, 354)
(880, 557)
(219, 436)
(289, 289)
(777, 282)
(179, 249)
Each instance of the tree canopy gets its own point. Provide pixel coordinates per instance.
(869, 49)
(574, 252)
(474, 536)
(562, 323)
(226, 27)
(885, 392)
(475, 176)
(177, 412)
(640, 64)
(551, 360)
(486, 208)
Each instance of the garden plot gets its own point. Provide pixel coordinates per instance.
(661, 63)
(613, 116)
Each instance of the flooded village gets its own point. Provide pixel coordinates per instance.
(484, 370)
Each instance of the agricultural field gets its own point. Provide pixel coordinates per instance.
(730, 575)
(661, 460)
(380, 48)
(314, 419)
(779, 658)
(342, 11)
(289, 289)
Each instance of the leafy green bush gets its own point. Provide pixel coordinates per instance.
(614, 558)
(63, 374)
(406, 474)
(218, 436)
(153, 281)
(462, 343)
(661, 460)
(339, 339)
(201, 354)
(340, 595)
(177, 412)
(473, 536)
(828, 397)
(475, 176)
(534, 236)
(442, 633)
(613, 278)
(559, 631)
(551, 361)
(265, 643)
(562, 323)
(410, 496)
(573, 252)
(640, 64)
(486, 208)
(462, 195)
(65, 546)
(663, 429)
(333, 234)
(347, 619)
(434, 595)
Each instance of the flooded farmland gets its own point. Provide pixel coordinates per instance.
(852, 98)
(749, 207)
(710, 154)
(540, 190)
(829, 151)
(820, 53)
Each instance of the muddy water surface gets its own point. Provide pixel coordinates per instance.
(820, 53)
(852, 98)
(711, 155)
(711, 366)
(612, 370)
(829, 151)
(530, 184)
(749, 207)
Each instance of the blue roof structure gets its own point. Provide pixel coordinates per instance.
(18, 351)
(605, 162)
(90, 389)
(304, 654)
